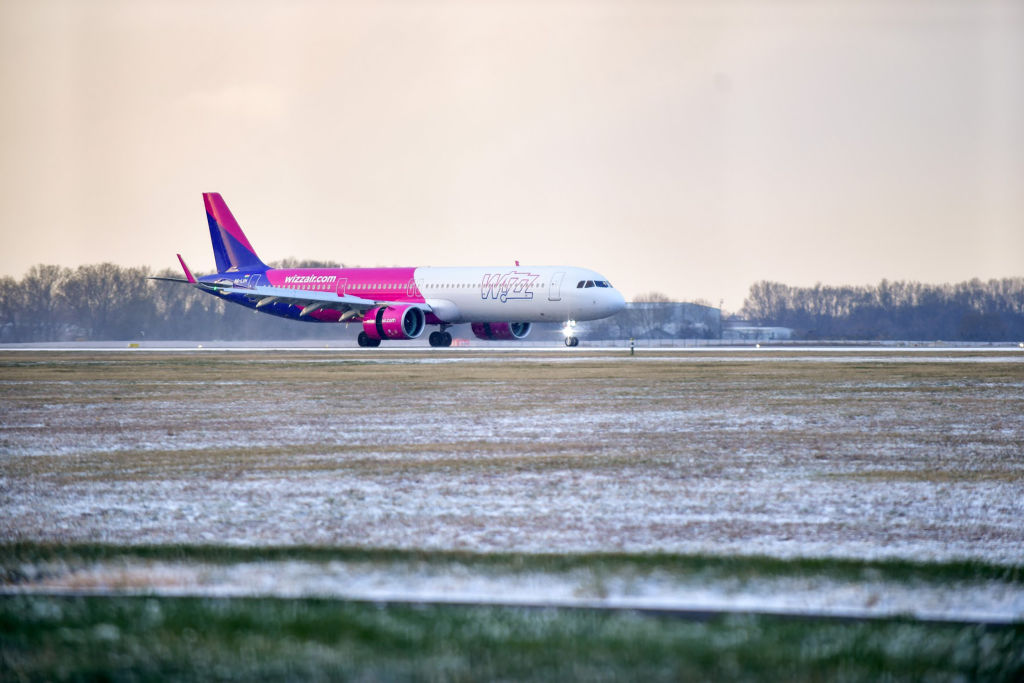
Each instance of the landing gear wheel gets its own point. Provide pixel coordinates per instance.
(366, 340)
(572, 341)
(440, 339)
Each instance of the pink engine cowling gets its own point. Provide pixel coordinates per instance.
(394, 322)
(496, 331)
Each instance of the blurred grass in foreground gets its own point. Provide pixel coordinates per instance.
(138, 638)
(16, 557)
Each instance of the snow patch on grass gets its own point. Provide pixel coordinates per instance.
(986, 601)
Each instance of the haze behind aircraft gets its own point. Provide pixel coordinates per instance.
(398, 303)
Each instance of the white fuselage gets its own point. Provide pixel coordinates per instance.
(517, 293)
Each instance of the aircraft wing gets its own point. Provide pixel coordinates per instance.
(310, 301)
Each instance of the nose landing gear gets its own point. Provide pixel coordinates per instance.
(570, 333)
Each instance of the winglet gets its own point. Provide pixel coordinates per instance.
(188, 273)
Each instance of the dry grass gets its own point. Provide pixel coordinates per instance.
(854, 453)
(941, 476)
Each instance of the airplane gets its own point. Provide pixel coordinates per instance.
(398, 303)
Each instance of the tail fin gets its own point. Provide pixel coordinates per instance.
(231, 249)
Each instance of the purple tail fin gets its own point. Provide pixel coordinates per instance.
(231, 249)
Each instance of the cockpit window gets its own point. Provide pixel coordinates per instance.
(601, 283)
(590, 283)
(579, 285)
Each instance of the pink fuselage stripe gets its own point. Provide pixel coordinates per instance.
(390, 284)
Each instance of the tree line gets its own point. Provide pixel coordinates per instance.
(967, 311)
(110, 302)
(655, 316)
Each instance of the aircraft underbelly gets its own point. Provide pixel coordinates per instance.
(492, 310)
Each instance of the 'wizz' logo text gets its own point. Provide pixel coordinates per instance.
(505, 286)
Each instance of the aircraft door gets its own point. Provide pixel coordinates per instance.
(342, 285)
(555, 287)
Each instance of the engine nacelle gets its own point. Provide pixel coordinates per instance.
(394, 322)
(496, 331)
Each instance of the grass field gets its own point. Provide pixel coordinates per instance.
(606, 476)
(124, 638)
(885, 455)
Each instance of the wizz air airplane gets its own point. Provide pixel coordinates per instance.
(398, 303)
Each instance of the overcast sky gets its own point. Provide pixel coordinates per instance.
(690, 148)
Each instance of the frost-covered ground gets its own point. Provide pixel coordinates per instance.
(882, 455)
(991, 601)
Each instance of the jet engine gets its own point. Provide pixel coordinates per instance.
(494, 331)
(394, 322)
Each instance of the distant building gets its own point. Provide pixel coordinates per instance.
(649, 320)
(744, 330)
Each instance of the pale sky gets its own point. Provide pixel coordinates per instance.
(690, 148)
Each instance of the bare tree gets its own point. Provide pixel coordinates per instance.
(652, 298)
(304, 263)
(11, 309)
(108, 301)
(42, 301)
(648, 314)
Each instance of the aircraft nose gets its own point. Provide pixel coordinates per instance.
(616, 302)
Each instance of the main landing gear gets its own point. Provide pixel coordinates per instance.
(441, 338)
(366, 340)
